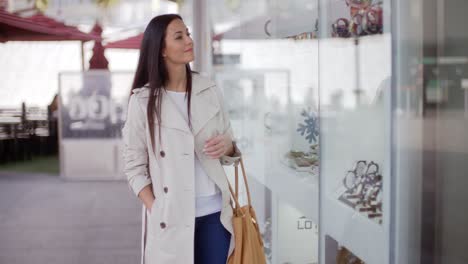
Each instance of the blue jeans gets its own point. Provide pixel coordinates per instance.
(211, 240)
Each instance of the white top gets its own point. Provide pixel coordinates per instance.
(208, 195)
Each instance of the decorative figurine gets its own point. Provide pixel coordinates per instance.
(310, 127)
(364, 190)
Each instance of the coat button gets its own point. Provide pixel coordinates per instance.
(166, 189)
(163, 225)
(162, 153)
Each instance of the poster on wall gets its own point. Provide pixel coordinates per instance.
(93, 104)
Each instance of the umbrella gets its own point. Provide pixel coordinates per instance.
(39, 27)
(128, 43)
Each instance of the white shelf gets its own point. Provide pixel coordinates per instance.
(302, 193)
(299, 189)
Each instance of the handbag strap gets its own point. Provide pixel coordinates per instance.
(245, 182)
(236, 169)
(237, 206)
(235, 195)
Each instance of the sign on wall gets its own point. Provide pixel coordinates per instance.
(93, 104)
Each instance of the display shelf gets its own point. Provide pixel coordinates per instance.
(362, 236)
(300, 189)
(302, 193)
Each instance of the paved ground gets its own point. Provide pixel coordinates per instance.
(45, 220)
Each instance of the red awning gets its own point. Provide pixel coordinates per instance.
(128, 43)
(38, 28)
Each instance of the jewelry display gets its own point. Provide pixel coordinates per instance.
(306, 35)
(366, 19)
(341, 28)
(373, 20)
(303, 161)
(363, 187)
(306, 161)
(356, 25)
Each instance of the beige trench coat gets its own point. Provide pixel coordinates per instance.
(168, 232)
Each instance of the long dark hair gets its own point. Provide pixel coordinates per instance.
(152, 70)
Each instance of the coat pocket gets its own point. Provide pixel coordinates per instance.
(156, 217)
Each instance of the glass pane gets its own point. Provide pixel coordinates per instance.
(266, 62)
(432, 135)
(355, 77)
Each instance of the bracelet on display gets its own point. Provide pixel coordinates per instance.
(371, 173)
(265, 27)
(341, 28)
(369, 196)
(373, 20)
(355, 26)
(349, 180)
(374, 215)
(353, 177)
(372, 209)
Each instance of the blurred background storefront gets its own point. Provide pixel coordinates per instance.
(352, 115)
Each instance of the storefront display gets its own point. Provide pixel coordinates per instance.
(306, 35)
(303, 102)
(306, 161)
(360, 133)
(363, 192)
(354, 132)
(365, 18)
(281, 122)
(303, 161)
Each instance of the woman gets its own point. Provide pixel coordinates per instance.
(176, 138)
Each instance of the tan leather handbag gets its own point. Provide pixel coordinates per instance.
(248, 241)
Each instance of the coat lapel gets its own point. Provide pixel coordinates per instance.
(204, 106)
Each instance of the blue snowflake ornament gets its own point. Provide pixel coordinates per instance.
(309, 127)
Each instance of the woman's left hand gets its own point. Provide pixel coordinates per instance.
(217, 146)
